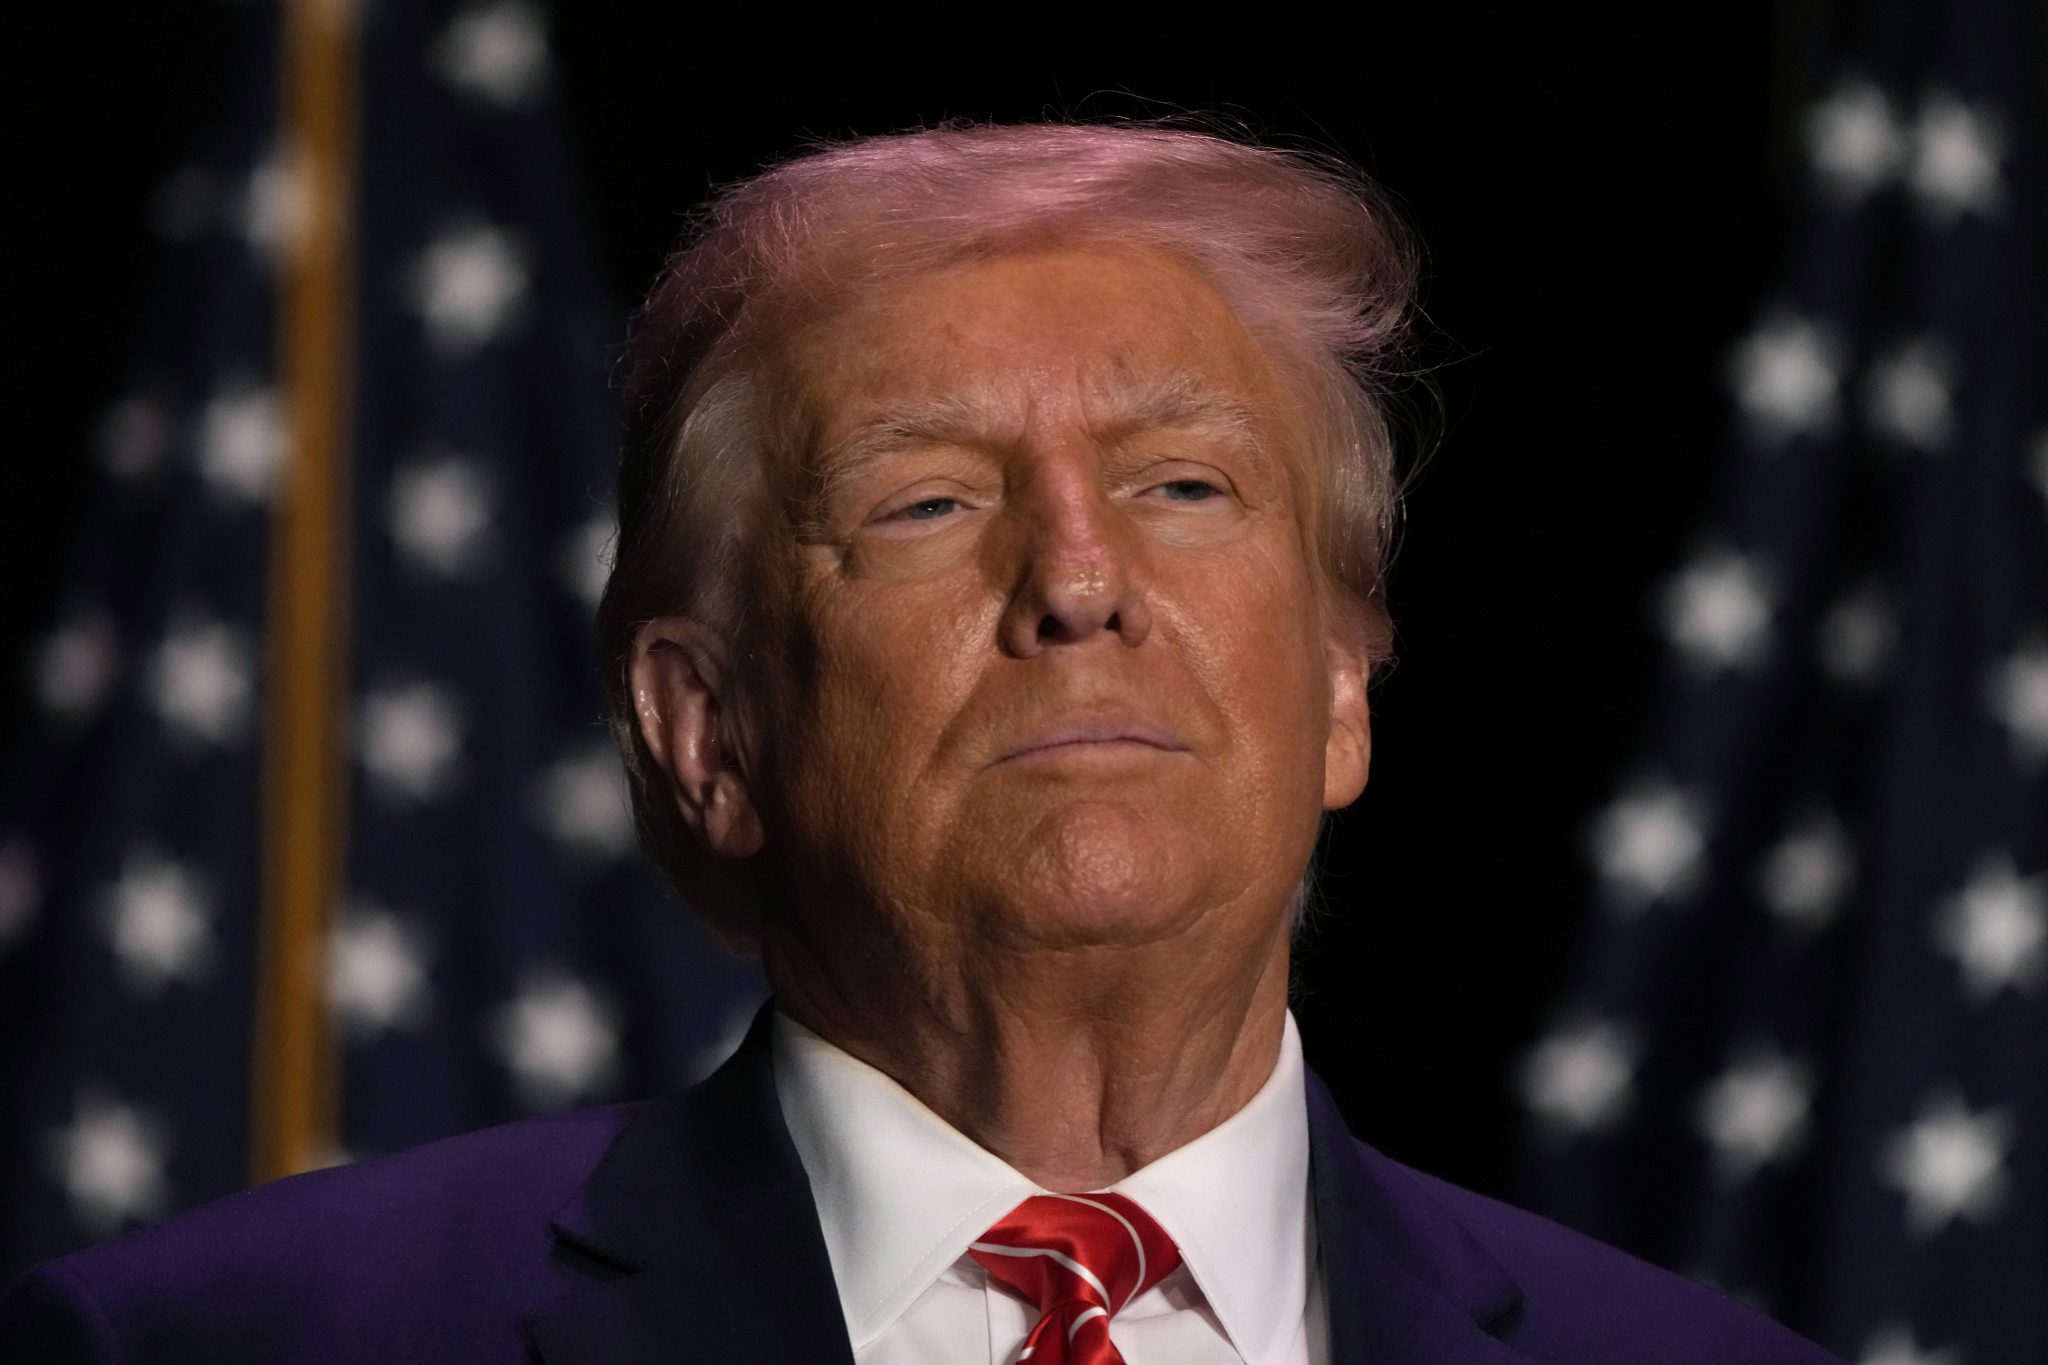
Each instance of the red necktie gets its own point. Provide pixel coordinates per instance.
(1080, 1258)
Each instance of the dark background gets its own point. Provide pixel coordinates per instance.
(1598, 198)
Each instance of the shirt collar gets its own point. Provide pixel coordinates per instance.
(900, 1192)
(1236, 1203)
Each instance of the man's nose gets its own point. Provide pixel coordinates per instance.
(1083, 572)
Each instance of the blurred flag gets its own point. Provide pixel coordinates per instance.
(1806, 1056)
(496, 946)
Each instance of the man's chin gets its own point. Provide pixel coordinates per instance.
(1100, 872)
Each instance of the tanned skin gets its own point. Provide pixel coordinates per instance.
(1039, 705)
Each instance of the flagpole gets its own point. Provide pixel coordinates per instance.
(294, 1077)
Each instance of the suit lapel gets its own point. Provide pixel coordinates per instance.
(699, 1233)
(1405, 1283)
(699, 1239)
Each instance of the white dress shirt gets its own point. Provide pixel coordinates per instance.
(901, 1193)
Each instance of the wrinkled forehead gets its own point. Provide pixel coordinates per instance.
(1085, 335)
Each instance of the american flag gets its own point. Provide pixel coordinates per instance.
(1805, 1055)
(494, 945)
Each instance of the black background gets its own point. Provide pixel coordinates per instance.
(1598, 197)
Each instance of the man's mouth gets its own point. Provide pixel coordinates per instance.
(1101, 734)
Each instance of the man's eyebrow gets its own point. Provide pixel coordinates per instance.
(1176, 399)
(1120, 407)
(947, 418)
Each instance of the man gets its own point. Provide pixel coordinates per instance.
(1001, 531)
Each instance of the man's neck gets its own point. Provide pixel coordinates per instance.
(1084, 1068)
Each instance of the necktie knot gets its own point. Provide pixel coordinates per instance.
(1080, 1258)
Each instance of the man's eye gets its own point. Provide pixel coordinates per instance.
(1189, 490)
(931, 509)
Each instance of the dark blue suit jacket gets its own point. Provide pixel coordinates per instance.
(682, 1229)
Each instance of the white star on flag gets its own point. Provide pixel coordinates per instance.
(467, 284)
(1956, 150)
(1754, 1113)
(586, 558)
(584, 800)
(1949, 1163)
(1805, 875)
(1859, 636)
(559, 1039)
(1787, 376)
(21, 891)
(1717, 610)
(376, 971)
(203, 681)
(158, 923)
(1649, 844)
(1578, 1079)
(1854, 139)
(1907, 396)
(410, 739)
(1897, 1345)
(437, 513)
(76, 664)
(110, 1160)
(242, 443)
(497, 51)
(277, 205)
(1996, 928)
(132, 437)
(2018, 693)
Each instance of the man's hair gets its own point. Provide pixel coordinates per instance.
(1300, 246)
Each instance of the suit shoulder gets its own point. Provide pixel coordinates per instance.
(1590, 1304)
(467, 1215)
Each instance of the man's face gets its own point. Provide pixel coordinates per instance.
(1040, 661)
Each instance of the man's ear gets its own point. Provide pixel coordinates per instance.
(1347, 758)
(679, 676)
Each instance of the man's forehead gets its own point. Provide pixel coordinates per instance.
(1081, 323)
(1107, 397)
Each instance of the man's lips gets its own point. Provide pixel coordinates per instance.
(1099, 734)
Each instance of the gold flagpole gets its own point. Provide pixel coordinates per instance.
(293, 1099)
